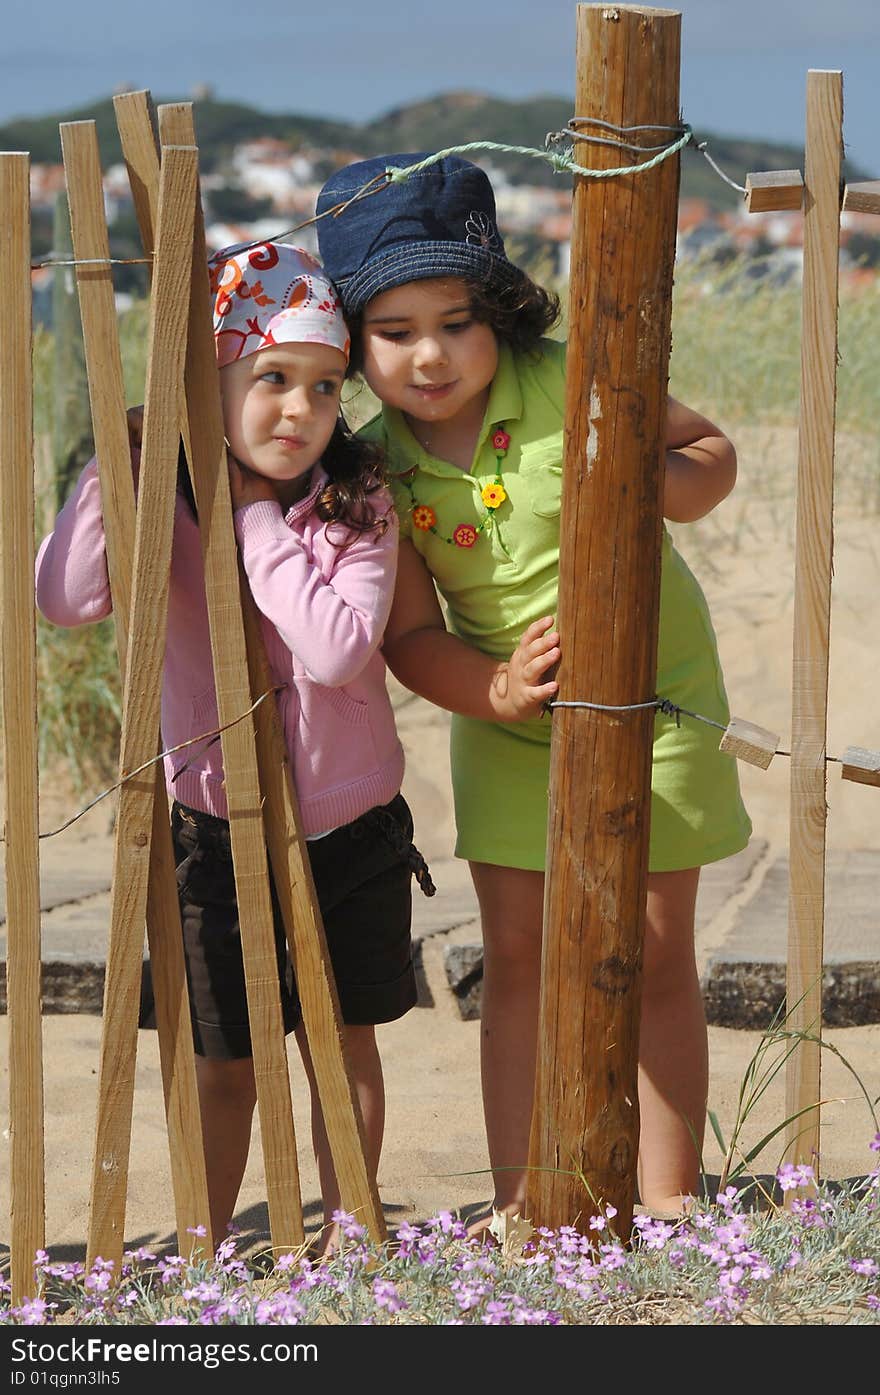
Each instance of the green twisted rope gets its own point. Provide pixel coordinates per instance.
(562, 162)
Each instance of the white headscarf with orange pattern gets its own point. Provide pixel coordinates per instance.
(272, 293)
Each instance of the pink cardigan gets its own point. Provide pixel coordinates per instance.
(324, 611)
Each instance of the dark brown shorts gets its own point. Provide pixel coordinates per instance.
(363, 882)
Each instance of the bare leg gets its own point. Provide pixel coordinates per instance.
(227, 1095)
(511, 905)
(363, 1055)
(673, 1046)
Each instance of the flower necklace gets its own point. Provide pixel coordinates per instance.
(493, 495)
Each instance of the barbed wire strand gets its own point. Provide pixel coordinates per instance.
(208, 737)
(701, 146)
(664, 705)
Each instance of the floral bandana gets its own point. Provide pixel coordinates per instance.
(272, 293)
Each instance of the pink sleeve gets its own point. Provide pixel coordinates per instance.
(73, 587)
(332, 625)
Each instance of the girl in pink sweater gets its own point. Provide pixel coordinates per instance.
(318, 539)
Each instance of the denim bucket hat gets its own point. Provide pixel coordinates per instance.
(439, 221)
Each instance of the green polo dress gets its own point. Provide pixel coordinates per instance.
(508, 578)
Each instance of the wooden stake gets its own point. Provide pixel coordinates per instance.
(862, 198)
(293, 880)
(861, 765)
(745, 741)
(141, 699)
(104, 361)
(812, 607)
(774, 191)
(19, 684)
(82, 164)
(136, 123)
(623, 247)
(211, 485)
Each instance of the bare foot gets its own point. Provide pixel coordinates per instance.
(326, 1244)
(666, 1208)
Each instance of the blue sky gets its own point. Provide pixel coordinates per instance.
(743, 61)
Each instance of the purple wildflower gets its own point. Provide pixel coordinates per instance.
(727, 1199)
(32, 1312)
(386, 1296)
(497, 1315)
(141, 1255)
(351, 1229)
(285, 1262)
(867, 1267)
(613, 1257)
(790, 1176)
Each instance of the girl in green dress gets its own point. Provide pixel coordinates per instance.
(449, 335)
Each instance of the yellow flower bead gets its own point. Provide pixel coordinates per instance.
(493, 495)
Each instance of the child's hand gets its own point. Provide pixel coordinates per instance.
(523, 685)
(245, 486)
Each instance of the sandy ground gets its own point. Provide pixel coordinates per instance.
(434, 1152)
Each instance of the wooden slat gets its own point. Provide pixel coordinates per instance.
(296, 894)
(748, 742)
(308, 949)
(862, 198)
(211, 485)
(620, 299)
(141, 698)
(82, 164)
(812, 606)
(774, 191)
(19, 686)
(104, 366)
(860, 764)
(135, 121)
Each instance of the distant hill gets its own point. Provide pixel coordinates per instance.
(452, 118)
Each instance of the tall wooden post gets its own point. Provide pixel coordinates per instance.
(812, 607)
(586, 1117)
(19, 701)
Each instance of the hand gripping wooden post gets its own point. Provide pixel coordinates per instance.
(104, 365)
(586, 1125)
(19, 683)
(304, 927)
(141, 700)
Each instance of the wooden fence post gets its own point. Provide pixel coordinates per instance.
(19, 683)
(304, 927)
(812, 610)
(585, 1122)
(106, 392)
(141, 701)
